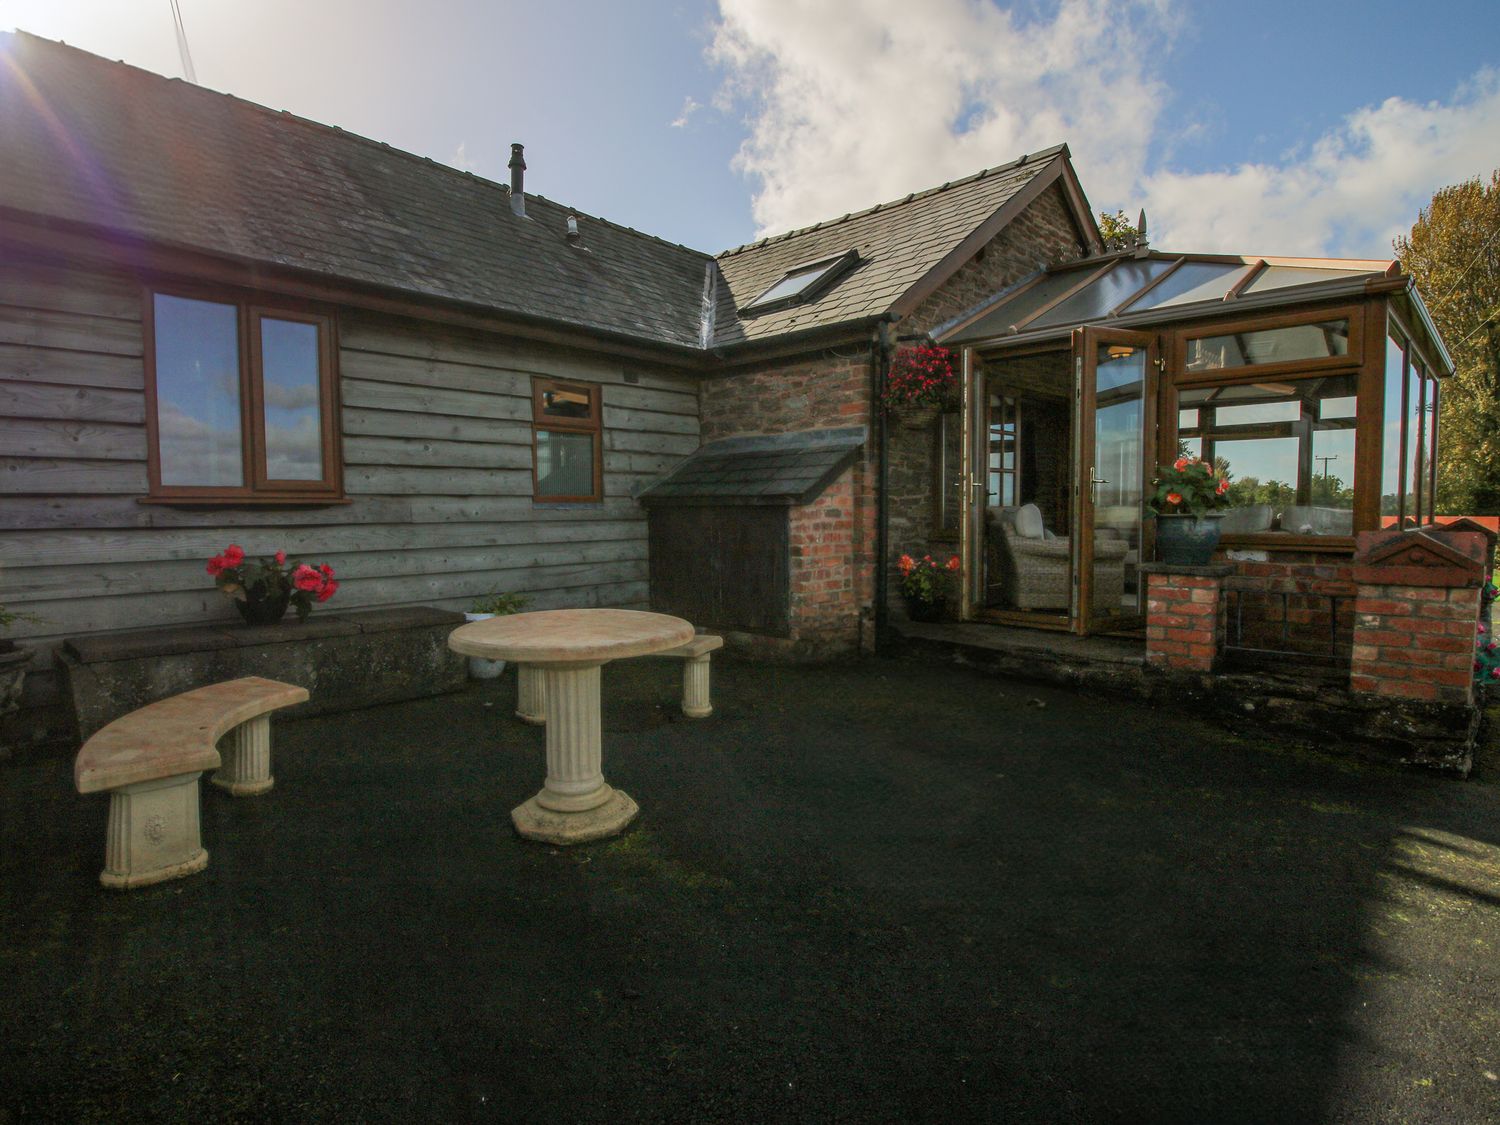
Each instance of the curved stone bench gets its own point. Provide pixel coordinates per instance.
(531, 698)
(149, 762)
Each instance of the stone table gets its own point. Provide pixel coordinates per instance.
(568, 647)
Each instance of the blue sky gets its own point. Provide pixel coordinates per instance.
(1290, 128)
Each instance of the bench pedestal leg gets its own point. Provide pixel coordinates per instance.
(575, 804)
(531, 704)
(695, 699)
(246, 756)
(153, 833)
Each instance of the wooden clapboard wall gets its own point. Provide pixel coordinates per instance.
(437, 456)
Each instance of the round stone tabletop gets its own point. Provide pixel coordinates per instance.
(562, 636)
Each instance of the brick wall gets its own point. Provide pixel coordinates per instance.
(832, 388)
(815, 392)
(833, 537)
(1296, 587)
(1415, 642)
(1184, 621)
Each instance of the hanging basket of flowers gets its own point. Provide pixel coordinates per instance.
(921, 376)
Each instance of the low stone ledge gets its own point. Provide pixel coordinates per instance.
(1307, 705)
(345, 662)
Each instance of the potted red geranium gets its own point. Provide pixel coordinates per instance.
(263, 588)
(926, 585)
(1187, 499)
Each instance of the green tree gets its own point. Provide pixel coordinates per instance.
(1454, 254)
(1118, 232)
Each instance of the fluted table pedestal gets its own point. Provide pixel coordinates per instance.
(566, 649)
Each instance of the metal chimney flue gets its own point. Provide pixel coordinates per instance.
(518, 180)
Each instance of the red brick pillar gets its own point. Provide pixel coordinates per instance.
(1415, 614)
(1184, 616)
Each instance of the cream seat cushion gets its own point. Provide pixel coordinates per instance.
(1029, 521)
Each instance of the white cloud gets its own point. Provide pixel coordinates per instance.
(850, 104)
(1350, 194)
(690, 106)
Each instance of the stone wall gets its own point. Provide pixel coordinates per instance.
(1042, 235)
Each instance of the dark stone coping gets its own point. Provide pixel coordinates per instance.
(1213, 570)
(206, 638)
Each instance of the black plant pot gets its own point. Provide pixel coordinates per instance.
(1187, 540)
(919, 610)
(263, 611)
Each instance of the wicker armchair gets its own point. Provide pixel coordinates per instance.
(1031, 571)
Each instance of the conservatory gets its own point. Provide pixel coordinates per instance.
(1313, 383)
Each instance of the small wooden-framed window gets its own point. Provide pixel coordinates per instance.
(567, 462)
(241, 402)
(1284, 343)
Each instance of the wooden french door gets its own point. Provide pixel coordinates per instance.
(1114, 440)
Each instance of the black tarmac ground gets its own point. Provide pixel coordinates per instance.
(882, 892)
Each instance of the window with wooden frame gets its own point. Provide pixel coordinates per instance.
(241, 402)
(567, 460)
(1275, 403)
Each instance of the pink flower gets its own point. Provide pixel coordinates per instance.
(1482, 629)
(234, 554)
(1495, 673)
(953, 563)
(280, 557)
(306, 578)
(329, 589)
(326, 571)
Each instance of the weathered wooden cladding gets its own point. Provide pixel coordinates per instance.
(436, 430)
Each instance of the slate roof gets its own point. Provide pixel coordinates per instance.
(772, 469)
(110, 145)
(898, 244)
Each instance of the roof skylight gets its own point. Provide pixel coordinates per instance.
(803, 283)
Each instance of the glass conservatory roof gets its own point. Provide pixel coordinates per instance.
(1139, 288)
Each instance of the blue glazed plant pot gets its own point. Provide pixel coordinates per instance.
(1187, 540)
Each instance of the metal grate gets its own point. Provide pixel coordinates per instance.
(1297, 640)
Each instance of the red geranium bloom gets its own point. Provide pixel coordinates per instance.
(216, 565)
(906, 562)
(953, 563)
(329, 589)
(1180, 464)
(326, 571)
(1174, 498)
(306, 578)
(234, 554)
(280, 557)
